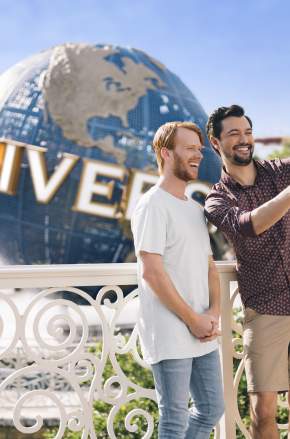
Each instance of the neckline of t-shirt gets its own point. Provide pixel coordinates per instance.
(173, 196)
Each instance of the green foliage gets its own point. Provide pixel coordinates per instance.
(137, 375)
(143, 377)
(12, 433)
(283, 153)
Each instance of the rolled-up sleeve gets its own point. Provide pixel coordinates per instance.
(221, 211)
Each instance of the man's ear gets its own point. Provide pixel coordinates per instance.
(215, 144)
(164, 152)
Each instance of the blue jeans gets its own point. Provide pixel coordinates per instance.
(174, 381)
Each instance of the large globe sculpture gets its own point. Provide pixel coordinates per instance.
(85, 117)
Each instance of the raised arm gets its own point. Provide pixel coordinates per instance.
(269, 213)
(223, 212)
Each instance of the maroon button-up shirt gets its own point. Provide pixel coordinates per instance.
(263, 261)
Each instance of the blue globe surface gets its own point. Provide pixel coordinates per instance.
(100, 103)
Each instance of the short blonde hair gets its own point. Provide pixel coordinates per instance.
(165, 135)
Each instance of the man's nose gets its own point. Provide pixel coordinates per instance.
(243, 138)
(199, 155)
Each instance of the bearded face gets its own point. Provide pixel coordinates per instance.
(236, 143)
(183, 160)
(184, 169)
(241, 154)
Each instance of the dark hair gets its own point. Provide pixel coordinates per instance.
(214, 123)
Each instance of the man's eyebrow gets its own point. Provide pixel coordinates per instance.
(236, 130)
(233, 130)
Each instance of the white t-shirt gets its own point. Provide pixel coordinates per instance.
(175, 229)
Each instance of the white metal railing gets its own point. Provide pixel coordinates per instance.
(51, 335)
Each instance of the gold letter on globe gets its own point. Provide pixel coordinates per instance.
(10, 159)
(46, 187)
(89, 187)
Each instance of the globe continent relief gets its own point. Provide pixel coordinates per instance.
(98, 107)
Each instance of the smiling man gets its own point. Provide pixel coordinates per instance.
(179, 290)
(250, 204)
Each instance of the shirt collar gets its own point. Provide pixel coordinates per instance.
(230, 181)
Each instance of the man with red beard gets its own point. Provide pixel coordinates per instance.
(179, 290)
(250, 204)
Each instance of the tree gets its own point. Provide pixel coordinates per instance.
(284, 152)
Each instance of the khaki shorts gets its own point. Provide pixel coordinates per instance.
(266, 347)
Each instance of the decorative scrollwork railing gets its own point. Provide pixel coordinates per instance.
(47, 351)
(49, 364)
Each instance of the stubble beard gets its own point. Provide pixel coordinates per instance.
(236, 159)
(179, 170)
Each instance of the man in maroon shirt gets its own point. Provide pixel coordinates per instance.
(250, 204)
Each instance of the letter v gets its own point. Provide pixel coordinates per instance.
(46, 187)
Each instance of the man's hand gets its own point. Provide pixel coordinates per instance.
(211, 337)
(215, 314)
(203, 325)
(216, 331)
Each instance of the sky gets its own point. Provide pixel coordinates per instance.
(225, 51)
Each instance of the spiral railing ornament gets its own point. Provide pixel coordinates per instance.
(49, 363)
(54, 336)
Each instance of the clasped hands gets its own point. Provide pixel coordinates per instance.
(206, 326)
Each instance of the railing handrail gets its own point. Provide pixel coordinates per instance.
(38, 318)
(30, 276)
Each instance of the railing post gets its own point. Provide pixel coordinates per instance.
(227, 423)
(111, 277)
